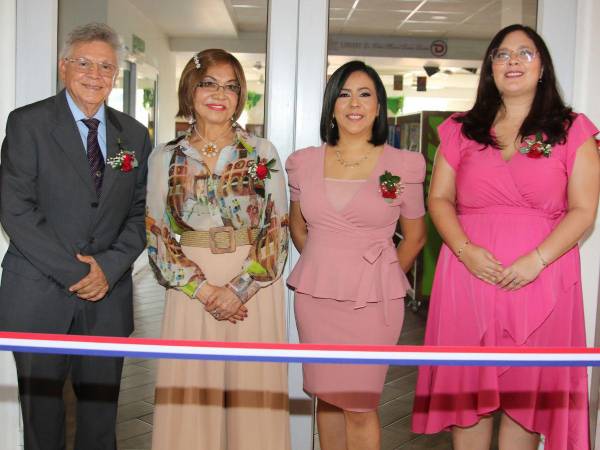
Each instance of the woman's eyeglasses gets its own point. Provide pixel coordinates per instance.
(503, 56)
(213, 86)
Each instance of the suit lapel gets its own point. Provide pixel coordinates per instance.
(67, 137)
(113, 137)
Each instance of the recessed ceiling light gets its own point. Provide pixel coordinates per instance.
(439, 17)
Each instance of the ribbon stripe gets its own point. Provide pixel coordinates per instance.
(294, 353)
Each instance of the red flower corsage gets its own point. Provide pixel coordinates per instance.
(261, 169)
(390, 186)
(125, 160)
(536, 148)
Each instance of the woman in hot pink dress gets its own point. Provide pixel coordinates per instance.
(350, 280)
(514, 188)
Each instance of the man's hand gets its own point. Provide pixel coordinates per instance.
(93, 286)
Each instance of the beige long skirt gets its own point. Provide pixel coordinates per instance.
(219, 405)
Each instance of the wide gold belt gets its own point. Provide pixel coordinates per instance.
(219, 239)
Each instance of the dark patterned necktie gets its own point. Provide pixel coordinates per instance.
(94, 153)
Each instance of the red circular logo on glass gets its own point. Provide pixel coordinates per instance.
(439, 48)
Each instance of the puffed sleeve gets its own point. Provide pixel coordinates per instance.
(413, 204)
(292, 167)
(267, 257)
(170, 265)
(581, 130)
(450, 135)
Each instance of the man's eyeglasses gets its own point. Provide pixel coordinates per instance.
(503, 56)
(213, 86)
(84, 65)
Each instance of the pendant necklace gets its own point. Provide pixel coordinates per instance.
(210, 148)
(351, 164)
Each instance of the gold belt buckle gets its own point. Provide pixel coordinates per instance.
(212, 240)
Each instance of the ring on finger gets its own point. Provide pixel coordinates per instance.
(216, 314)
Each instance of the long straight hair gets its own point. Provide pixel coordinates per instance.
(548, 113)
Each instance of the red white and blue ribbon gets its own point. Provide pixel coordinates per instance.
(251, 351)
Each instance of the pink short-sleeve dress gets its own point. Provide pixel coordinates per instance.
(508, 207)
(348, 283)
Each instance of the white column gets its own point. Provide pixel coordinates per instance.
(557, 21)
(586, 99)
(28, 32)
(569, 28)
(10, 437)
(296, 66)
(280, 98)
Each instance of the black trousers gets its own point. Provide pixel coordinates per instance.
(96, 381)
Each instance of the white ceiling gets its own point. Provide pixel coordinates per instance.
(470, 19)
(466, 19)
(190, 18)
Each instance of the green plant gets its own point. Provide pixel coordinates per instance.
(395, 104)
(253, 99)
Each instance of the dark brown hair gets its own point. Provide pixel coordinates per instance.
(330, 134)
(191, 76)
(548, 113)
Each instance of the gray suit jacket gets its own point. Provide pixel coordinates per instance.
(50, 211)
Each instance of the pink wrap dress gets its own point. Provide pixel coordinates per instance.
(348, 283)
(509, 208)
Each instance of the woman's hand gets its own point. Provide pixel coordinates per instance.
(222, 303)
(481, 263)
(520, 273)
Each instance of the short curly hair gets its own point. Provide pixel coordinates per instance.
(191, 76)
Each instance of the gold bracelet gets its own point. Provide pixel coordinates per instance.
(462, 249)
(542, 260)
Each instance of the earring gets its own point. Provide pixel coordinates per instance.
(333, 122)
(191, 120)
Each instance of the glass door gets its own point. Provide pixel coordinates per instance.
(145, 100)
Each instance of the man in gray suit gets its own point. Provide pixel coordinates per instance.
(72, 201)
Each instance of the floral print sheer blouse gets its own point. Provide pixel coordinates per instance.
(183, 195)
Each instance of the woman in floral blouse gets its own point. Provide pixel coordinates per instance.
(217, 230)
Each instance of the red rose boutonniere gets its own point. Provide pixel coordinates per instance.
(260, 169)
(536, 148)
(390, 186)
(125, 160)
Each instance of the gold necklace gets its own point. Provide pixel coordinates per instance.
(210, 148)
(351, 164)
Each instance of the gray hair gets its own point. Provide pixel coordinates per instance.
(93, 32)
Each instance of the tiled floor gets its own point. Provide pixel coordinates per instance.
(136, 401)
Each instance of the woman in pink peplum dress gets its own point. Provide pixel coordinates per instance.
(515, 186)
(349, 282)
